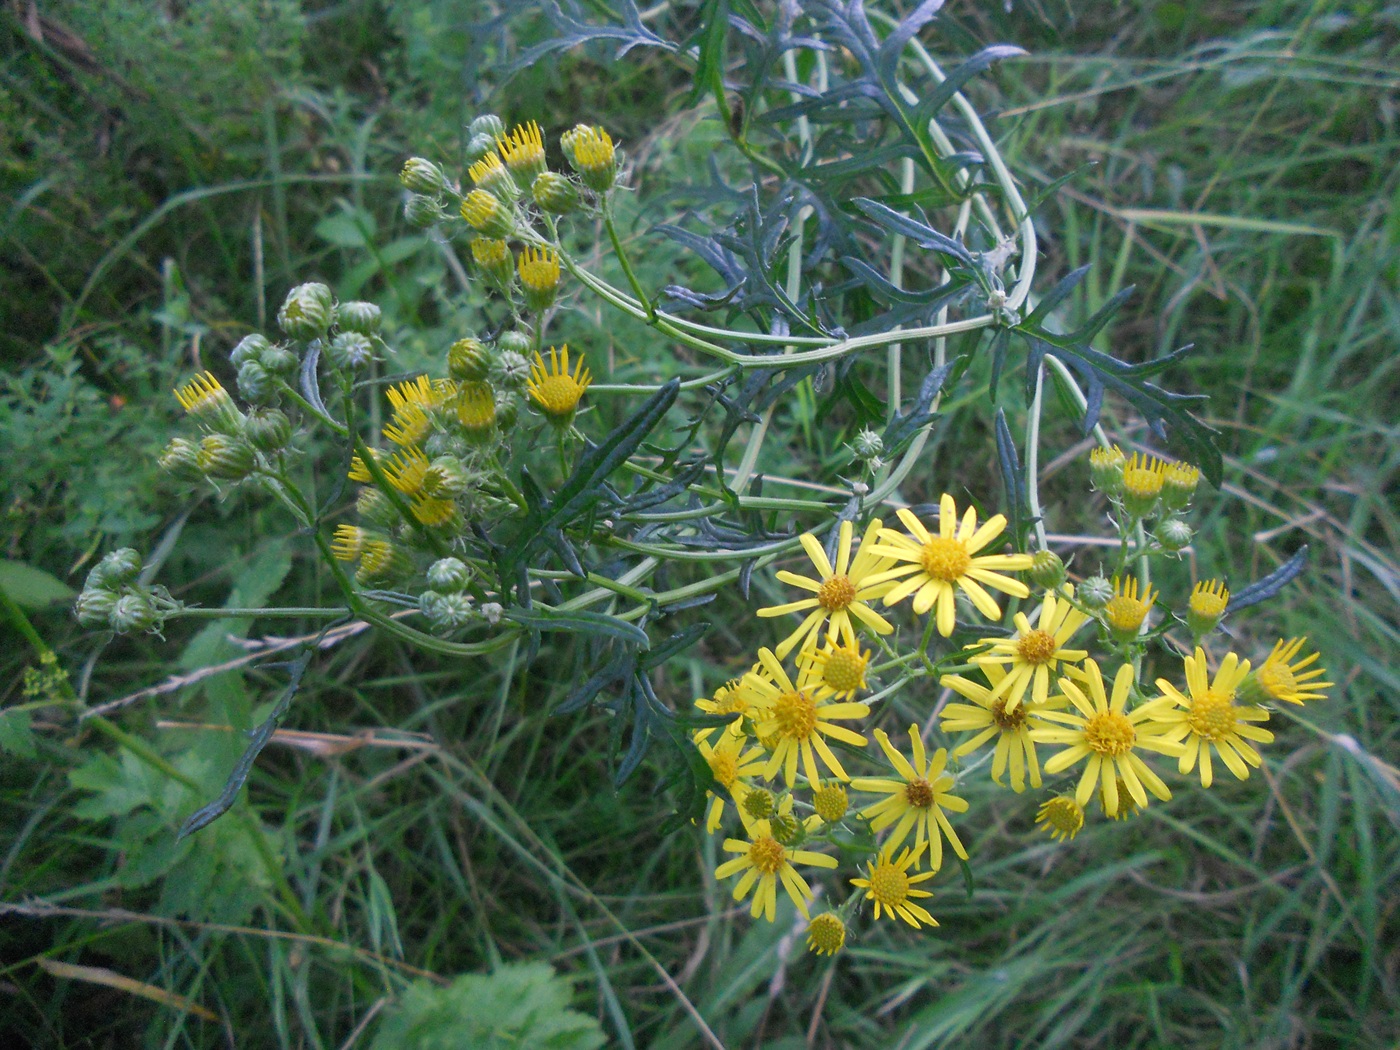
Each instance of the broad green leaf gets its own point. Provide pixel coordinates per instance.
(31, 587)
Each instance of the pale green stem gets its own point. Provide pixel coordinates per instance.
(895, 351)
(1033, 456)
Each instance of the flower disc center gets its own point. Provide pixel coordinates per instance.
(1110, 733)
(1008, 720)
(836, 592)
(1037, 647)
(919, 794)
(889, 885)
(795, 714)
(945, 559)
(766, 854)
(1212, 715)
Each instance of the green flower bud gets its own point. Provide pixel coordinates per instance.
(280, 361)
(428, 602)
(249, 348)
(478, 146)
(555, 193)
(306, 312)
(268, 429)
(133, 612)
(785, 828)
(451, 611)
(256, 384)
(224, 458)
(116, 570)
(181, 458)
(359, 317)
(350, 350)
(94, 607)
(868, 444)
(760, 803)
(1173, 534)
(449, 575)
(507, 410)
(449, 476)
(422, 176)
(487, 124)
(423, 213)
(1095, 592)
(510, 369)
(1047, 570)
(374, 507)
(514, 341)
(467, 359)
(442, 443)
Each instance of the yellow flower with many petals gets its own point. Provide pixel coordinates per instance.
(729, 699)
(991, 715)
(553, 389)
(1061, 816)
(916, 801)
(1102, 730)
(1283, 678)
(947, 562)
(793, 722)
(731, 766)
(842, 592)
(891, 887)
(1209, 715)
(764, 861)
(1032, 654)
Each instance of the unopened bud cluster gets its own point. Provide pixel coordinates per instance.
(113, 597)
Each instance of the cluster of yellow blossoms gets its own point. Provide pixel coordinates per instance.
(775, 760)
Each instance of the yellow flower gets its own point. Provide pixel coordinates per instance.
(1125, 611)
(210, 404)
(826, 934)
(764, 860)
(1209, 715)
(729, 699)
(591, 152)
(476, 408)
(484, 212)
(730, 765)
(916, 800)
(1283, 678)
(421, 392)
(844, 590)
(795, 722)
(1061, 816)
(1032, 654)
(523, 152)
(1207, 604)
(990, 715)
(359, 472)
(407, 470)
(433, 510)
(1143, 478)
(410, 425)
(1103, 731)
(840, 669)
(553, 389)
(491, 175)
(830, 801)
(941, 563)
(348, 542)
(891, 887)
(539, 277)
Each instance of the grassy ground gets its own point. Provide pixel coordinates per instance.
(1237, 163)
